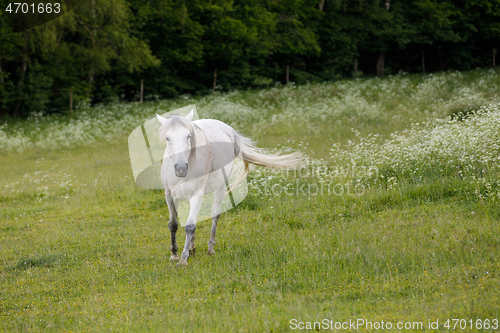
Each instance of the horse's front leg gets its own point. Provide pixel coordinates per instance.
(172, 224)
(194, 209)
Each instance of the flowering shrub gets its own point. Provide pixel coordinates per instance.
(394, 98)
(471, 146)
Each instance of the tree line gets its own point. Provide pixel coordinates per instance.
(105, 50)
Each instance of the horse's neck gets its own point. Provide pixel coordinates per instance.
(203, 149)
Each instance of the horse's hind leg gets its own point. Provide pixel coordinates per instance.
(218, 197)
(194, 208)
(172, 225)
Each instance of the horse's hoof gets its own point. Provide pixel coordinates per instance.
(182, 263)
(174, 257)
(192, 252)
(210, 252)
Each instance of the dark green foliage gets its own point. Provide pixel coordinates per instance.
(102, 50)
(462, 112)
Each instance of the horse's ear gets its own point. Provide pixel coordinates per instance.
(161, 119)
(190, 115)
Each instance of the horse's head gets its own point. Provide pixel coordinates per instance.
(179, 134)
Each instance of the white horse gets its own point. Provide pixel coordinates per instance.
(198, 160)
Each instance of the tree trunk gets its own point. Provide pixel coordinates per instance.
(24, 66)
(2, 111)
(71, 101)
(355, 68)
(59, 37)
(380, 64)
(92, 8)
(215, 80)
(1, 74)
(287, 74)
(142, 89)
(494, 53)
(440, 56)
(423, 62)
(321, 5)
(381, 55)
(90, 79)
(92, 33)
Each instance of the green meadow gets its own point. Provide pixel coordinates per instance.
(394, 218)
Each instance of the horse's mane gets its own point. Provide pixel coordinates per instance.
(174, 121)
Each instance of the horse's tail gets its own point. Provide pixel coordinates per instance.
(262, 157)
(252, 155)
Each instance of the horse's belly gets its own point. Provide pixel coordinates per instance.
(214, 182)
(217, 179)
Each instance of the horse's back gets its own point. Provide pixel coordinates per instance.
(215, 130)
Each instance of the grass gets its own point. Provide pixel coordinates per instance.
(84, 249)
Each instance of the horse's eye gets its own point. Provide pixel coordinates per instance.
(166, 138)
(189, 136)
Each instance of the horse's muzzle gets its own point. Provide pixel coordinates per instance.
(182, 170)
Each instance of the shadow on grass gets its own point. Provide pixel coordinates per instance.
(251, 202)
(43, 261)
